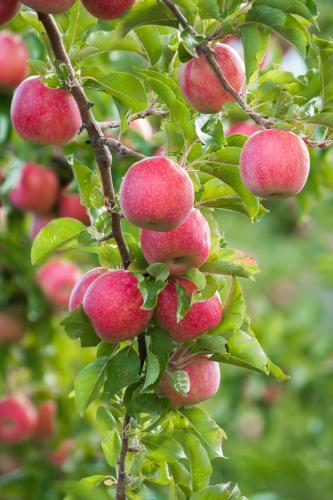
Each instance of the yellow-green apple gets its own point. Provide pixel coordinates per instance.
(49, 6)
(13, 60)
(82, 285)
(18, 419)
(107, 9)
(57, 279)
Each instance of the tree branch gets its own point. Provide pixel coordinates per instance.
(150, 111)
(121, 148)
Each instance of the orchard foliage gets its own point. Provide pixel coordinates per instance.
(129, 69)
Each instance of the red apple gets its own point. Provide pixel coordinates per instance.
(36, 190)
(142, 127)
(113, 303)
(201, 86)
(13, 60)
(187, 246)
(42, 115)
(107, 9)
(37, 224)
(12, 327)
(204, 377)
(201, 316)
(244, 128)
(57, 279)
(69, 205)
(274, 164)
(8, 9)
(49, 6)
(157, 194)
(46, 414)
(82, 285)
(62, 453)
(18, 419)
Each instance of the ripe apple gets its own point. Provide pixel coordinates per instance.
(107, 9)
(18, 419)
(204, 377)
(36, 190)
(57, 279)
(14, 57)
(59, 456)
(69, 205)
(201, 316)
(45, 427)
(274, 164)
(37, 224)
(156, 194)
(82, 285)
(200, 85)
(8, 9)
(42, 115)
(142, 127)
(113, 303)
(49, 6)
(187, 246)
(12, 327)
(244, 128)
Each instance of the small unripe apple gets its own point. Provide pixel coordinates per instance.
(187, 246)
(69, 205)
(36, 190)
(201, 86)
(13, 60)
(57, 279)
(107, 9)
(12, 327)
(8, 9)
(244, 128)
(274, 164)
(18, 419)
(113, 303)
(82, 285)
(37, 224)
(204, 378)
(45, 427)
(201, 316)
(59, 456)
(156, 194)
(42, 115)
(49, 6)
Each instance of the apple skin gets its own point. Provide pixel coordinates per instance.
(57, 279)
(156, 194)
(12, 328)
(37, 189)
(107, 9)
(59, 456)
(37, 224)
(46, 413)
(49, 6)
(142, 127)
(244, 128)
(69, 205)
(8, 9)
(274, 164)
(201, 316)
(185, 247)
(204, 376)
(200, 85)
(14, 57)
(113, 303)
(82, 286)
(18, 419)
(41, 115)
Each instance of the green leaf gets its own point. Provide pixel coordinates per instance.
(88, 181)
(79, 22)
(89, 382)
(233, 311)
(149, 12)
(247, 348)
(325, 119)
(78, 326)
(183, 301)
(105, 418)
(326, 71)
(111, 446)
(227, 491)
(163, 449)
(255, 44)
(150, 39)
(159, 271)
(55, 235)
(160, 345)
(91, 482)
(153, 370)
(150, 290)
(199, 462)
(231, 262)
(123, 370)
(180, 381)
(197, 277)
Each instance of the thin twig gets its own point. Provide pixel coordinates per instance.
(121, 148)
(150, 111)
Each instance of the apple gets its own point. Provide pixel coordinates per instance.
(8, 9)
(57, 279)
(59, 456)
(49, 6)
(201, 316)
(113, 303)
(107, 9)
(12, 327)
(244, 128)
(187, 246)
(201, 86)
(274, 164)
(156, 194)
(204, 378)
(14, 57)
(37, 224)
(42, 115)
(69, 205)
(36, 190)
(18, 419)
(82, 285)
(45, 427)
(142, 127)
